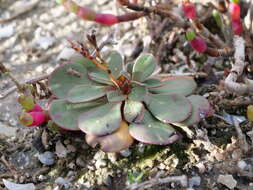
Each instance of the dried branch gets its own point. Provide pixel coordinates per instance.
(155, 181)
(237, 70)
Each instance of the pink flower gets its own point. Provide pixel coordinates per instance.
(198, 44)
(189, 10)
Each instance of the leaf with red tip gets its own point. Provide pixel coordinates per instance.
(99, 76)
(101, 120)
(65, 76)
(177, 85)
(115, 142)
(143, 67)
(115, 63)
(115, 96)
(200, 109)
(133, 111)
(169, 108)
(65, 114)
(85, 93)
(152, 131)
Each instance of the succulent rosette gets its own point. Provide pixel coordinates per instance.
(139, 105)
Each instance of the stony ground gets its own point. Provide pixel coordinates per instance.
(209, 156)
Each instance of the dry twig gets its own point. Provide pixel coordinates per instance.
(237, 70)
(155, 181)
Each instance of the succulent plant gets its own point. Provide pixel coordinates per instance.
(137, 104)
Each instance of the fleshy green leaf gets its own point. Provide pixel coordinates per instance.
(183, 86)
(65, 76)
(65, 115)
(99, 76)
(138, 93)
(115, 63)
(152, 131)
(201, 108)
(144, 67)
(133, 111)
(85, 93)
(115, 142)
(87, 63)
(152, 83)
(101, 120)
(169, 108)
(115, 96)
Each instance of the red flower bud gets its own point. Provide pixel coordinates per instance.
(32, 118)
(106, 19)
(237, 27)
(235, 11)
(189, 10)
(36, 108)
(198, 44)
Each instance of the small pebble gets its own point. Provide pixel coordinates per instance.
(80, 162)
(194, 181)
(125, 153)
(227, 180)
(47, 158)
(242, 164)
(62, 181)
(100, 164)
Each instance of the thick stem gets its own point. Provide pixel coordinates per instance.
(101, 18)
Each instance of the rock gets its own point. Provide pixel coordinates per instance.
(141, 147)
(125, 153)
(60, 150)
(100, 163)
(194, 181)
(64, 182)
(7, 131)
(6, 31)
(112, 157)
(80, 162)
(13, 186)
(45, 42)
(227, 180)
(47, 158)
(99, 155)
(71, 148)
(242, 164)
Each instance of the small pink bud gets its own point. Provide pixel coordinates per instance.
(38, 118)
(36, 108)
(198, 44)
(189, 10)
(235, 11)
(237, 27)
(32, 118)
(106, 19)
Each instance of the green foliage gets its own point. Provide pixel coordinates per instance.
(114, 107)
